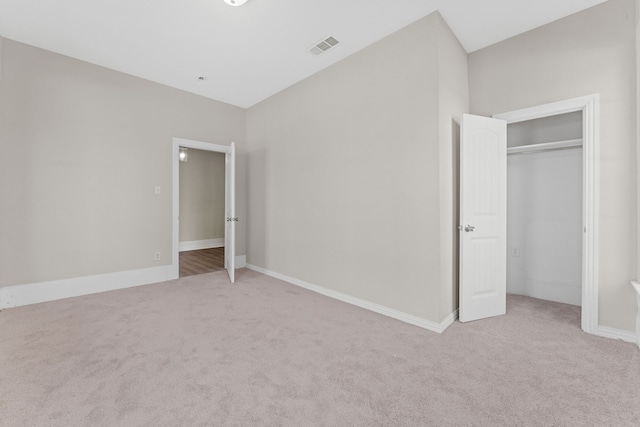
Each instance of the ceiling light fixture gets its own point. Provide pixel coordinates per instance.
(183, 154)
(235, 2)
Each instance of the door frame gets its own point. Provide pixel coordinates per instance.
(174, 271)
(590, 107)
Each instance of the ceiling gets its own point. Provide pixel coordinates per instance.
(249, 53)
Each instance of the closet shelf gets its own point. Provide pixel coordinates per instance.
(547, 146)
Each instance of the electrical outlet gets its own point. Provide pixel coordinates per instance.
(158, 256)
(515, 251)
(158, 189)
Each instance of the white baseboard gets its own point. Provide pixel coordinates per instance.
(194, 245)
(617, 334)
(33, 293)
(398, 315)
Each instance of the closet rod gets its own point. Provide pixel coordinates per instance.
(547, 146)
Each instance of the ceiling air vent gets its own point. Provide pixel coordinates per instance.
(323, 45)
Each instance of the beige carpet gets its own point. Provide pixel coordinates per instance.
(201, 352)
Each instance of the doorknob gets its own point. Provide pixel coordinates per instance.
(469, 228)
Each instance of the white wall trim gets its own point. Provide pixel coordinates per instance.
(590, 107)
(200, 145)
(33, 293)
(377, 308)
(636, 287)
(617, 334)
(195, 245)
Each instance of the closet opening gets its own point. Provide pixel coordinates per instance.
(553, 203)
(545, 208)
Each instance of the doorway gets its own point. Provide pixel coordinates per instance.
(201, 211)
(229, 217)
(544, 208)
(585, 110)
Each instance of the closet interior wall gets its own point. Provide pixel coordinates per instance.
(544, 208)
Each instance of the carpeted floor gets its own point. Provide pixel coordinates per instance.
(202, 352)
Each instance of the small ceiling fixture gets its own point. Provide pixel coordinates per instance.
(235, 2)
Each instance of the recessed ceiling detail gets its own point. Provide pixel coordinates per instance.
(323, 45)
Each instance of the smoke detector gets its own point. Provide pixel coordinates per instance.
(323, 45)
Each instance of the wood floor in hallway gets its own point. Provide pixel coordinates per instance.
(201, 261)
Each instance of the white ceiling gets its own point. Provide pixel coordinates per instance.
(248, 53)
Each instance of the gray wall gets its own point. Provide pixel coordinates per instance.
(202, 201)
(590, 52)
(346, 174)
(453, 95)
(83, 148)
(638, 138)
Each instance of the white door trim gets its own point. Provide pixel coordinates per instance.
(590, 107)
(230, 212)
(174, 271)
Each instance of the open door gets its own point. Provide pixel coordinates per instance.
(483, 217)
(230, 214)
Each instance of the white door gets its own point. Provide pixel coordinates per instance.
(483, 217)
(230, 212)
